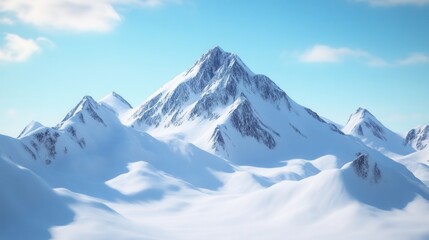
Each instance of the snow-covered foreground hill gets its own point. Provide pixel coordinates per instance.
(219, 152)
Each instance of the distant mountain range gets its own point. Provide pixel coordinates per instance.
(217, 149)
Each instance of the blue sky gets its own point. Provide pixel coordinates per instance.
(332, 56)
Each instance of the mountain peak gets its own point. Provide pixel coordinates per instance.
(33, 125)
(87, 101)
(362, 119)
(363, 113)
(371, 131)
(216, 80)
(116, 103)
(216, 49)
(362, 110)
(418, 137)
(88, 105)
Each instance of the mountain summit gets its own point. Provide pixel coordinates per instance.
(418, 137)
(217, 79)
(221, 106)
(362, 120)
(365, 126)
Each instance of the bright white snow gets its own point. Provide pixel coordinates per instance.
(206, 167)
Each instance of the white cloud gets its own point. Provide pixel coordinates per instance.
(18, 49)
(327, 54)
(387, 3)
(74, 15)
(78, 15)
(45, 42)
(324, 53)
(6, 21)
(414, 58)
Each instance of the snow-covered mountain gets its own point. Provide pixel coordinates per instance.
(418, 138)
(365, 126)
(216, 150)
(221, 106)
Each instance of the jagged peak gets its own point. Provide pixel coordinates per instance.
(87, 104)
(217, 59)
(418, 137)
(422, 128)
(115, 102)
(33, 125)
(361, 119)
(216, 51)
(362, 115)
(218, 78)
(86, 101)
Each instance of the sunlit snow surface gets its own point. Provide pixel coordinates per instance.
(103, 174)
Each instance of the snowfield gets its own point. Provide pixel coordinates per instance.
(218, 153)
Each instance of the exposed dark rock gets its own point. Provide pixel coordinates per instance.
(314, 115)
(82, 143)
(375, 129)
(29, 151)
(179, 96)
(218, 139)
(243, 119)
(81, 119)
(420, 137)
(297, 130)
(335, 129)
(48, 140)
(360, 131)
(72, 131)
(361, 166)
(87, 104)
(376, 173)
(217, 79)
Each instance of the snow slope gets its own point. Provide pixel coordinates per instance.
(218, 152)
(354, 202)
(363, 125)
(418, 164)
(29, 207)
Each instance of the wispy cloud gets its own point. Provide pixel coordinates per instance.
(414, 58)
(328, 54)
(388, 3)
(73, 15)
(6, 21)
(18, 49)
(324, 53)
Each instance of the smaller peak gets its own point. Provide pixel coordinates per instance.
(361, 109)
(116, 95)
(31, 127)
(113, 93)
(116, 102)
(363, 113)
(87, 101)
